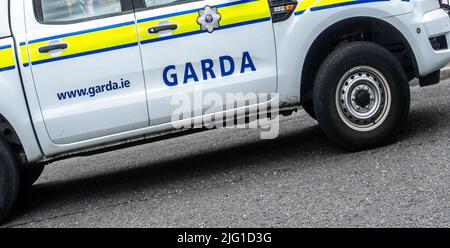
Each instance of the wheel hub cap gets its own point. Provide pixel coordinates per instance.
(363, 98)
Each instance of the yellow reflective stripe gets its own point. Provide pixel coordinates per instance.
(88, 42)
(245, 12)
(187, 23)
(304, 5)
(323, 3)
(6, 58)
(24, 53)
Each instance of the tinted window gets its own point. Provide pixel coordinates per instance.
(73, 10)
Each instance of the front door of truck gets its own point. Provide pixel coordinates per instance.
(221, 47)
(87, 69)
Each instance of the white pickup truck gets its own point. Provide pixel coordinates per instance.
(84, 76)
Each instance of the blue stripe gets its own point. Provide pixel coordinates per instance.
(171, 37)
(193, 11)
(266, 19)
(81, 32)
(7, 68)
(201, 31)
(235, 3)
(341, 5)
(85, 54)
(5, 47)
(346, 4)
(168, 15)
(144, 42)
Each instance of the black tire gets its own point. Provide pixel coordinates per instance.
(9, 181)
(334, 120)
(29, 174)
(309, 108)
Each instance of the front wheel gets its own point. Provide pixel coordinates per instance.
(309, 108)
(361, 96)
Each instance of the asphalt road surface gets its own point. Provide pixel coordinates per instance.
(231, 178)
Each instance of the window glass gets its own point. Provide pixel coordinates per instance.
(155, 3)
(72, 10)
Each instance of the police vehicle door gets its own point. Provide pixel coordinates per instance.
(222, 47)
(87, 68)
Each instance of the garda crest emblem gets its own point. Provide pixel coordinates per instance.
(209, 19)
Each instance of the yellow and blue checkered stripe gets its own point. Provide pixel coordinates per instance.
(119, 36)
(315, 5)
(7, 61)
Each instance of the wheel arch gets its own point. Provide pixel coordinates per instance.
(9, 135)
(349, 30)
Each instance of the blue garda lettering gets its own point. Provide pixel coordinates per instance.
(227, 68)
(223, 70)
(173, 81)
(189, 73)
(247, 62)
(207, 68)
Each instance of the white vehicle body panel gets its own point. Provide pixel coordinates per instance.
(428, 60)
(13, 105)
(254, 38)
(4, 19)
(279, 52)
